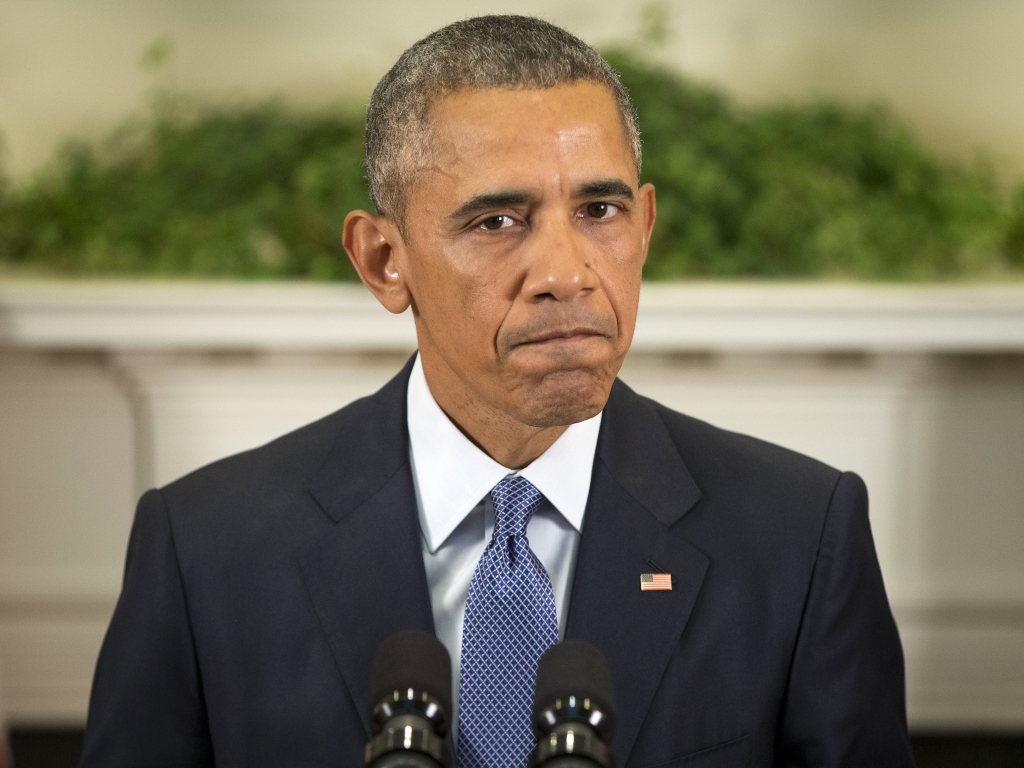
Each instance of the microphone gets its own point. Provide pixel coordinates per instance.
(573, 717)
(411, 696)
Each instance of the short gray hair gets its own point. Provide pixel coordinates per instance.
(513, 52)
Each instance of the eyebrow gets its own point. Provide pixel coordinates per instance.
(604, 188)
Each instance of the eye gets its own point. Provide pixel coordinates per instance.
(602, 210)
(496, 222)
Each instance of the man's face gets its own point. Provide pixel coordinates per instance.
(525, 238)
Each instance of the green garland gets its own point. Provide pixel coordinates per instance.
(817, 190)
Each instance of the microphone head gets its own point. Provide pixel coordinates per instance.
(573, 668)
(412, 659)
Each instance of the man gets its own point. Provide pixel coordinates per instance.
(504, 490)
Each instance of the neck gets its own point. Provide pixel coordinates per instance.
(508, 441)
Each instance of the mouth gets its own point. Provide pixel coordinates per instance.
(562, 335)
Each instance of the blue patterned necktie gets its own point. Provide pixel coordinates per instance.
(510, 622)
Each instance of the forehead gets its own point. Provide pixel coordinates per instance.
(569, 130)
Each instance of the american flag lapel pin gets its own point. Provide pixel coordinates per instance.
(653, 582)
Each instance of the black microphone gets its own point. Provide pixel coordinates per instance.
(573, 717)
(411, 696)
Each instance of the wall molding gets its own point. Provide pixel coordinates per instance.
(741, 317)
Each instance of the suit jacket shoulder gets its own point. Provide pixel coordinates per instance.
(770, 488)
(759, 500)
(279, 493)
(720, 456)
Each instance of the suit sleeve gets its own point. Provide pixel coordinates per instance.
(146, 709)
(845, 700)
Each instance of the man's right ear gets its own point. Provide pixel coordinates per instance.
(376, 247)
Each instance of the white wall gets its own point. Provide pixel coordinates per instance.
(108, 389)
(953, 67)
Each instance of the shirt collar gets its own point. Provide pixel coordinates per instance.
(452, 475)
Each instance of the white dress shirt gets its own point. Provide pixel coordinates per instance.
(453, 480)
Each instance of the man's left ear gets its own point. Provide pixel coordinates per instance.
(375, 245)
(649, 207)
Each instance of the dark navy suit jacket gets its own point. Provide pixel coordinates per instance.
(257, 590)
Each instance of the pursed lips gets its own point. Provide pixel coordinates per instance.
(557, 335)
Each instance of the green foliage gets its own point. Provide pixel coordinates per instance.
(812, 190)
(1013, 244)
(252, 192)
(261, 191)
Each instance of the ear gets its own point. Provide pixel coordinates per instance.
(649, 212)
(375, 246)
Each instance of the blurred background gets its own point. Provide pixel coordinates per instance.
(838, 267)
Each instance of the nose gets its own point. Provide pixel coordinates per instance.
(559, 266)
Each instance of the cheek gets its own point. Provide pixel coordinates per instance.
(464, 307)
(619, 266)
(619, 259)
(481, 281)
(621, 240)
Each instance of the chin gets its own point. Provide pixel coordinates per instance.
(564, 398)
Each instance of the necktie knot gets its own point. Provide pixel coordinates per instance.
(515, 500)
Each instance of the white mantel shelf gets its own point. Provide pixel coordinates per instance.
(121, 316)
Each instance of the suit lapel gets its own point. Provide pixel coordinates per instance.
(365, 575)
(640, 488)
